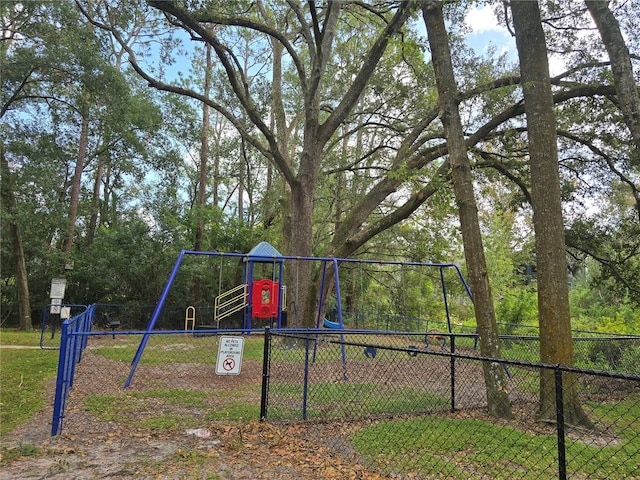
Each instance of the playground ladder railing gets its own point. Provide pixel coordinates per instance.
(190, 318)
(230, 302)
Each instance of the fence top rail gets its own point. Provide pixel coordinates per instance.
(172, 332)
(313, 336)
(350, 331)
(433, 333)
(611, 338)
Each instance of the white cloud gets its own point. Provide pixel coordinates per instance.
(481, 20)
(557, 65)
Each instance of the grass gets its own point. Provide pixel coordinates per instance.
(624, 418)
(473, 448)
(7, 455)
(172, 408)
(23, 376)
(16, 337)
(235, 411)
(359, 399)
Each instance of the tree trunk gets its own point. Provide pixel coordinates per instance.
(22, 283)
(76, 182)
(201, 196)
(494, 377)
(243, 161)
(628, 98)
(95, 200)
(319, 35)
(302, 195)
(204, 155)
(556, 344)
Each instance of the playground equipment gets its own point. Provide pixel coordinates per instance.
(262, 302)
(190, 318)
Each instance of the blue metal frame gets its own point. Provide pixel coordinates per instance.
(250, 258)
(73, 341)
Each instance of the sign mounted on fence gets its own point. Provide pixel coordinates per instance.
(58, 286)
(229, 355)
(56, 306)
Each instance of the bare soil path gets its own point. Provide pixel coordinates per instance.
(89, 448)
(105, 450)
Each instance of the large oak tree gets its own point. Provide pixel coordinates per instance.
(556, 343)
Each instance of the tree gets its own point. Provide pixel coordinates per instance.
(9, 216)
(497, 396)
(18, 74)
(556, 345)
(316, 30)
(626, 87)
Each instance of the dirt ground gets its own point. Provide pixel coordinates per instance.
(90, 448)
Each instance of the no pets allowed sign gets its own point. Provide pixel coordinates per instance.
(229, 355)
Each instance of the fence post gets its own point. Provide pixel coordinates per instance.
(58, 404)
(305, 386)
(562, 456)
(266, 361)
(452, 360)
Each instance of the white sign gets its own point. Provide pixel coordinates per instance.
(229, 355)
(58, 286)
(56, 304)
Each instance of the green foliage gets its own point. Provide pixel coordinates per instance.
(142, 162)
(517, 306)
(615, 355)
(596, 307)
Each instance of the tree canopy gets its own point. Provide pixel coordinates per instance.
(324, 138)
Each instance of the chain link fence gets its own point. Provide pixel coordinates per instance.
(405, 405)
(415, 407)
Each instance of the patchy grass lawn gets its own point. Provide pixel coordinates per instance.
(23, 376)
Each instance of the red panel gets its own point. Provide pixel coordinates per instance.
(264, 301)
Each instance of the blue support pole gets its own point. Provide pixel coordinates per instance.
(58, 404)
(249, 310)
(444, 296)
(324, 271)
(338, 296)
(324, 275)
(280, 291)
(339, 300)
(154, 319)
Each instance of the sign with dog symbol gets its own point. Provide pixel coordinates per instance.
(229, 355)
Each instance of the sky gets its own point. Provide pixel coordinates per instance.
(487, 31)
